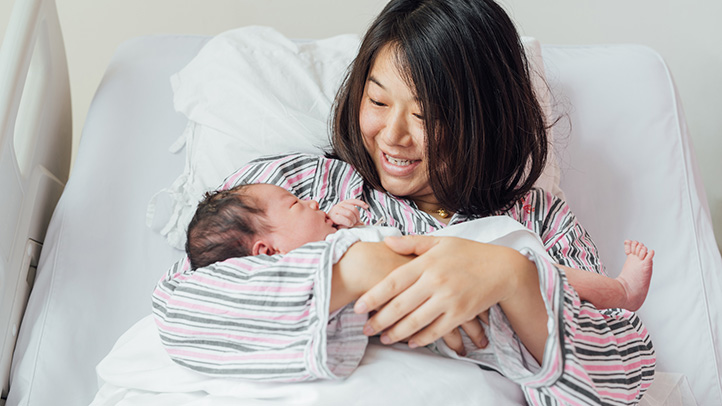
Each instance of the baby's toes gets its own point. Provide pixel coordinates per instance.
(634, 247)
(627, 247)
(650, 255)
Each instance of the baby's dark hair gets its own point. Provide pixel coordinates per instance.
(223, 226)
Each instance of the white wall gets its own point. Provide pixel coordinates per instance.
(685, 32)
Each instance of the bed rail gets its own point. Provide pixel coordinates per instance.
(35, 150)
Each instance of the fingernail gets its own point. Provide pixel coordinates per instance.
(412, 344)
(484, 342)
(385, 339)
(368, 330)
(360, 307)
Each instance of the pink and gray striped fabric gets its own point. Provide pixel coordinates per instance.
(264, 318)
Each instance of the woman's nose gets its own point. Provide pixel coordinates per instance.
(397, 131)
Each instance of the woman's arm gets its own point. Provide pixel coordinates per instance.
(422, 301)
(589, 357)
(362, 267)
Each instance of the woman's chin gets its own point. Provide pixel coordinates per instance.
(399, 187)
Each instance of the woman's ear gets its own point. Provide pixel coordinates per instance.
(261, 248)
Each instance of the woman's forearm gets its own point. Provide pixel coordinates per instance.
(363, 266)
(525, 307)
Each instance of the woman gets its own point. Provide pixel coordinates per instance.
(435, 124)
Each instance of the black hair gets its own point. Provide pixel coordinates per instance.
(486, 137)
(223, 226)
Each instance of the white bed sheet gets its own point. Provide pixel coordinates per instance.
(100, 262)
(138, 371)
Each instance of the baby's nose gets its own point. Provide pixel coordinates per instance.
(313, 204)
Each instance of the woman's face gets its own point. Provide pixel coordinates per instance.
(393, 130)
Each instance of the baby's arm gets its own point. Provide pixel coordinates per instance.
(627, 291)
(346, 213)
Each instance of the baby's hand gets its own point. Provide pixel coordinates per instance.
(346, 214)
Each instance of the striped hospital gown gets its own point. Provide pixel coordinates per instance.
(266, 317)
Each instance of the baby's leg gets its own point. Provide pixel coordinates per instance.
(603, 292)
(627, 291)
(636, 273)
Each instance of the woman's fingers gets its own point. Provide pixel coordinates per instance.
(409, 324)
(484, 316)
(419, 332)
(411, 244)
(453, 340)
(391, 286)
(408, 302)
(432, 332)
(476, 333)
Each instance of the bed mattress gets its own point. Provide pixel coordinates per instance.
(122, 161)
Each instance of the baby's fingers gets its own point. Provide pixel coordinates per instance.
(355, 202)
(344, 216)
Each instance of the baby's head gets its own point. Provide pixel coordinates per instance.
(251, 220)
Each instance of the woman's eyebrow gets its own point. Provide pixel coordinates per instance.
(374, 80)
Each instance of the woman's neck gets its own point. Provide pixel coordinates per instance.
(434, 208)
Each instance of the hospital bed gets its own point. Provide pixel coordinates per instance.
(92, 251)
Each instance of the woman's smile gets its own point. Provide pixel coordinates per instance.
(393, 129)
(398, 166)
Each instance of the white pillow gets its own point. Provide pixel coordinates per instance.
(251, 92)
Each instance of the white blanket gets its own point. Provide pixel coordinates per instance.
(138, 372)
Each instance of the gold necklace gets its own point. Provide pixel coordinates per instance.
(442, 213)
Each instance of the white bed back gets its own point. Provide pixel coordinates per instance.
(35, 137)
(628, 171)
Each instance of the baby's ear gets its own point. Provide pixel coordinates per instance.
(261, 248)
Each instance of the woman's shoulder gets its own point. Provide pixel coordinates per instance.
(538, 206)
(306, 175)
(299, 159)
(293, 157)
(537, 195)
(278, 169)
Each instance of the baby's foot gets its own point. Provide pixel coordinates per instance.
(636, 274)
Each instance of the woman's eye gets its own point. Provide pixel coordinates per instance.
(376, 102)
(419, 116)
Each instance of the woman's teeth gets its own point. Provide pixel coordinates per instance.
(398, 162)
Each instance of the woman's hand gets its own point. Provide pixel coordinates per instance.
(451, 282)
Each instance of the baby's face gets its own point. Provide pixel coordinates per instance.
(293, 222)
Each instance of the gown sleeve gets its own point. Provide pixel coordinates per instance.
(592, 356)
